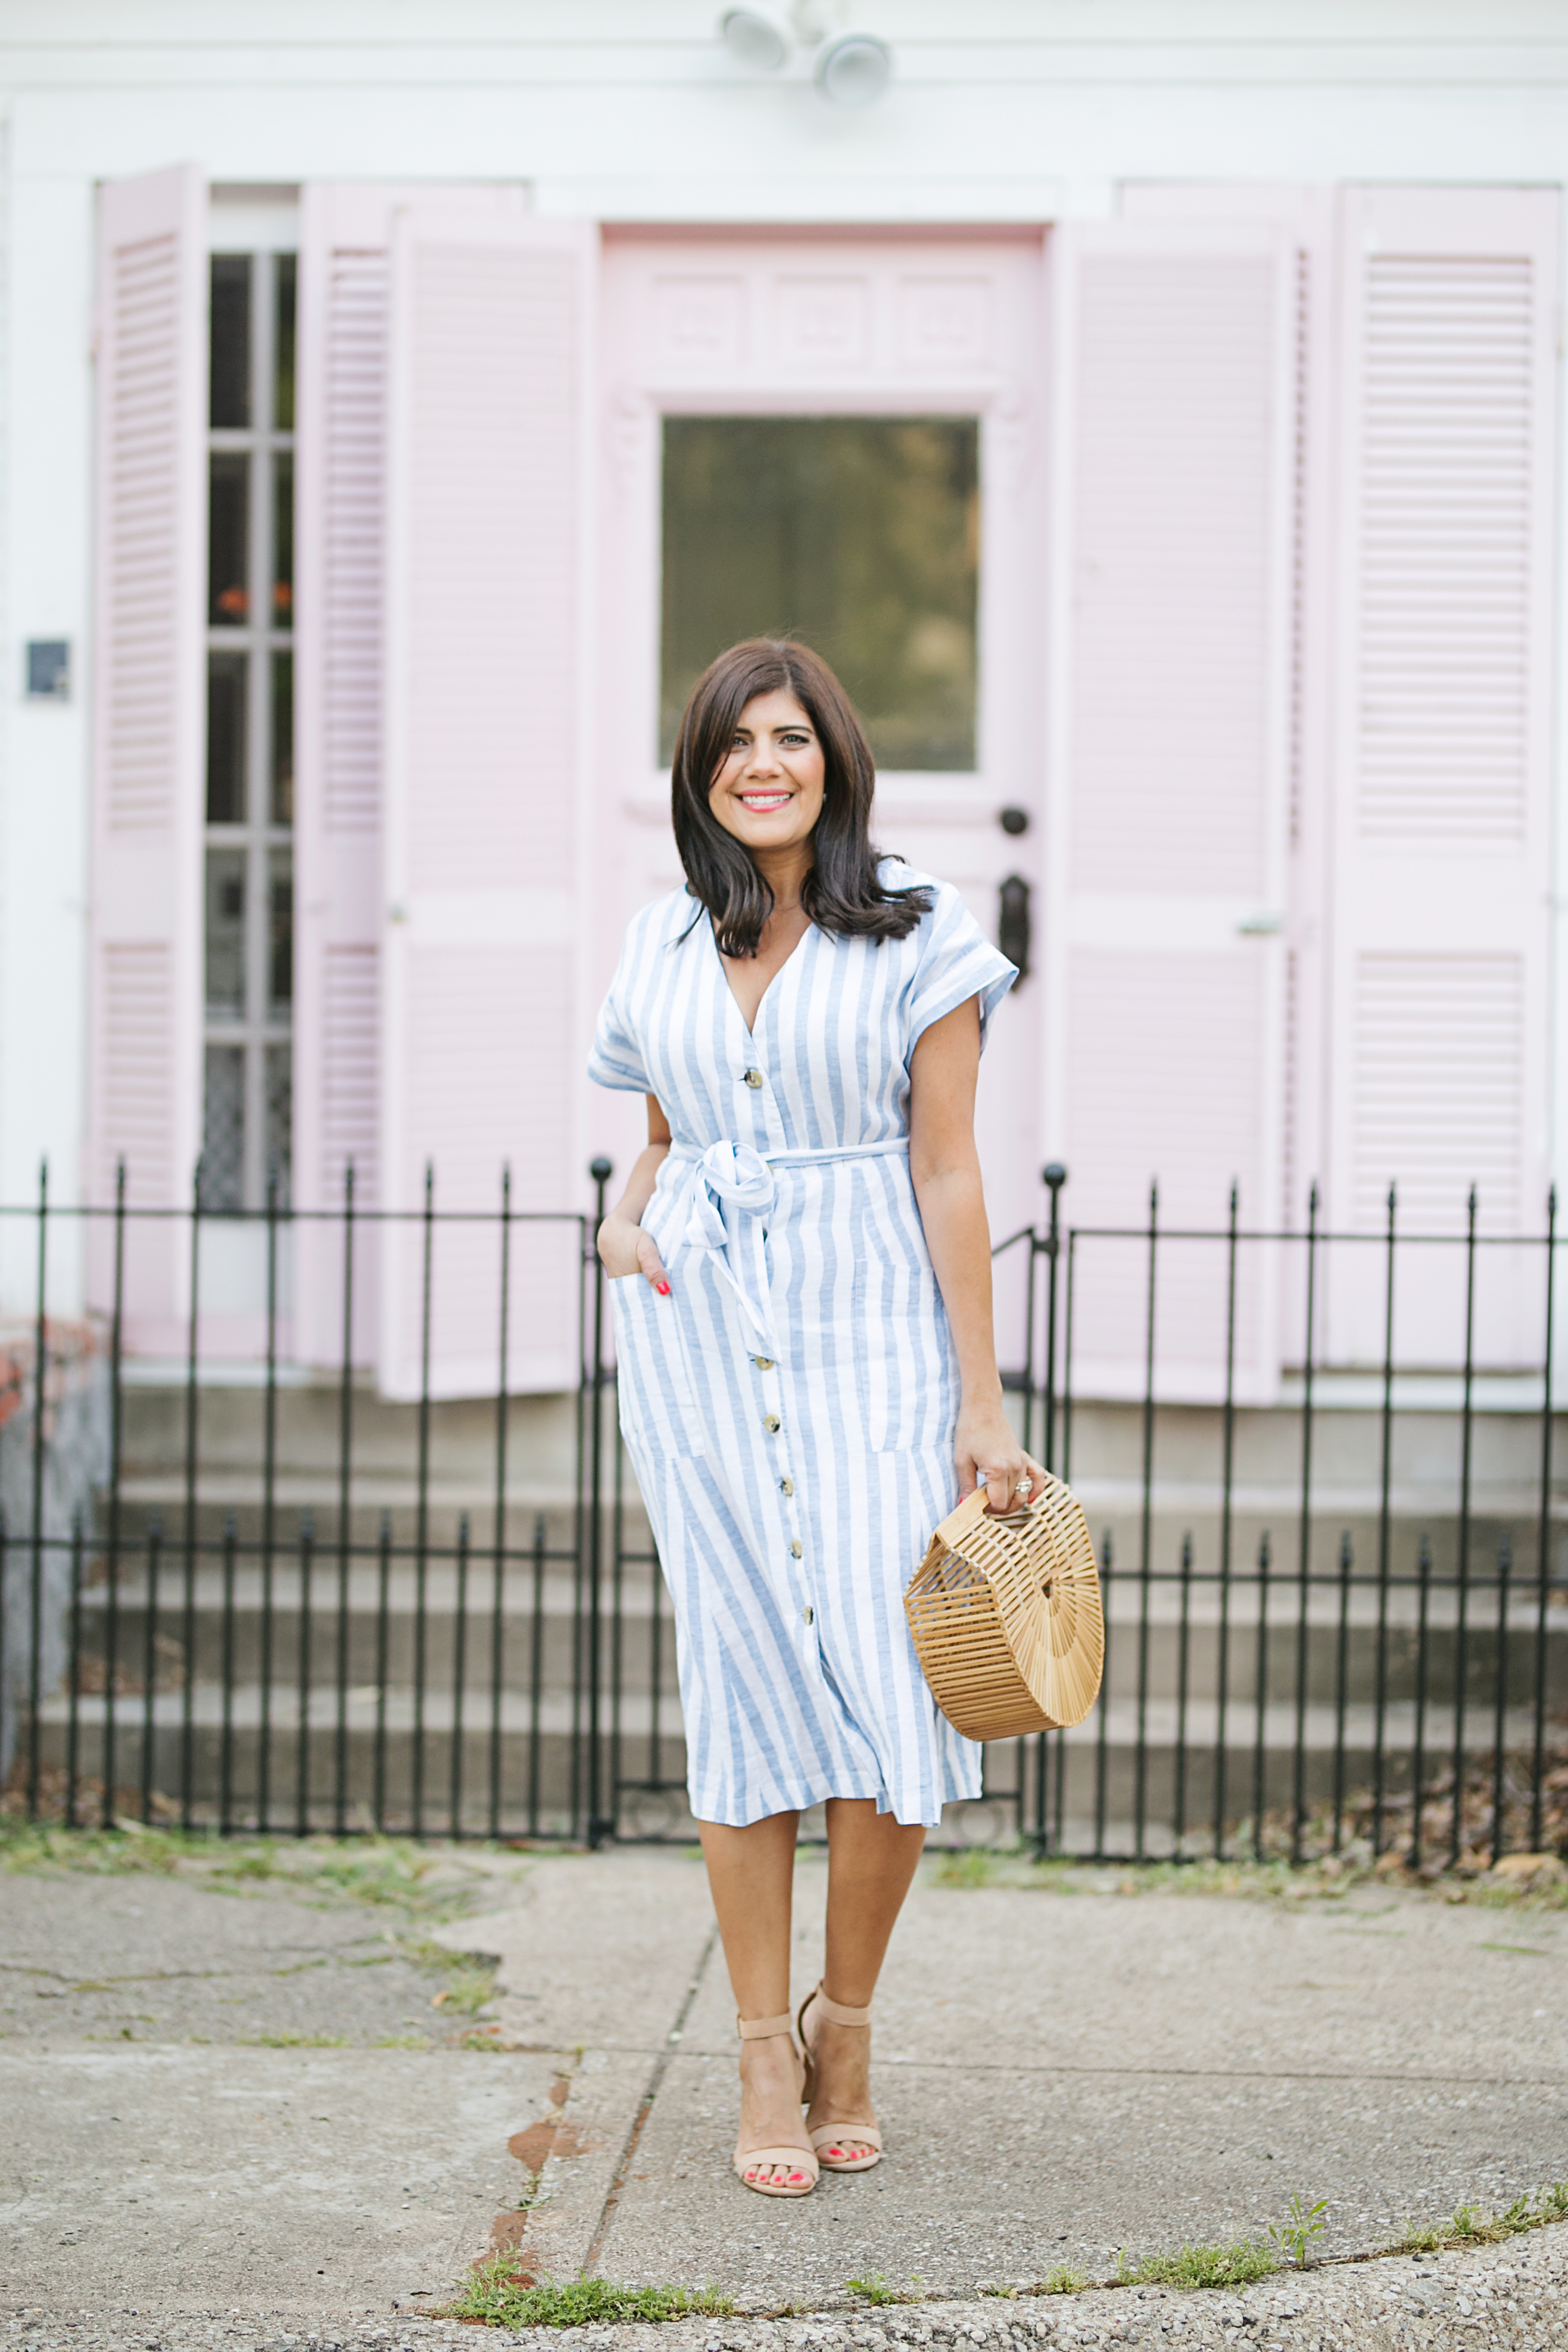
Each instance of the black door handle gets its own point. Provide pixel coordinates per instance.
(1014, 925)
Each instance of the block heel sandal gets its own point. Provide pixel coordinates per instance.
(826, 2133)
(799, 2160)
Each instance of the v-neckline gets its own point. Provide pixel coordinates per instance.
(750, 1026)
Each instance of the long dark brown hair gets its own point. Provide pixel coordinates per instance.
(843, 893)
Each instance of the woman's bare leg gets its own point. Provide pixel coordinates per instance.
(872, 1861)
(751, 1873)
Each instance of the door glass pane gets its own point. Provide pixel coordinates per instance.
(225, 932)
(228, 539)
(282, 738)
(230, 367)
(283, 541)
(280, 934)
(283, 384)
(223, 1128)
(860, 535)
(226, 738)
(281, 1115)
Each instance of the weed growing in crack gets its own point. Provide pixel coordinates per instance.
(873, 2288)
(1466, 2227)
(1294, 2235)
(498, 2295)
(1240, 2265)
(1064, 2280)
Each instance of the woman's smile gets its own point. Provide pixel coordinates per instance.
(768, 792)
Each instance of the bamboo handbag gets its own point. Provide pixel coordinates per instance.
(1007, 1618)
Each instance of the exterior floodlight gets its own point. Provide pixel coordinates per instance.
(854, 71)
(755, 39)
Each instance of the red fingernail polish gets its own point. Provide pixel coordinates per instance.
(662, 1288)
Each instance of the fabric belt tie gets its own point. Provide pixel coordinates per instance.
(733, 1194)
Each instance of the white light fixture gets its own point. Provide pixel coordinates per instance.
(854, 71)
(755, 39)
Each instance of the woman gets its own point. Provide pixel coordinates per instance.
(800, 1269)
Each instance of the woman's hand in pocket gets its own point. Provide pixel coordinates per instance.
(625, 1249)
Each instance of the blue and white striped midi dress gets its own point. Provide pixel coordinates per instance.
(790, 1408)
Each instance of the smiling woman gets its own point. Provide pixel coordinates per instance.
(800, 1271)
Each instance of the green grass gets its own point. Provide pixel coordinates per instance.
(423, 1882)
(1064, 2280)
(1470, 2228)
(497, 2296)
(1466, 2227)
(467, 1989)
(294, 2041)
(1236, 2265)
(967, 1865)
(873, 2288)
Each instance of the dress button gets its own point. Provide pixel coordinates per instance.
(771, 1425)
(786, 1486)
(808, 1614)
(794, 1551)
(753, 1078)
(763, 1363)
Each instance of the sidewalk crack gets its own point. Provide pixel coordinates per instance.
(645, 2107)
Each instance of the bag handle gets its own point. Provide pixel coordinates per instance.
(973, 1506)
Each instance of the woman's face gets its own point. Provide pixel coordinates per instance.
(768, 792)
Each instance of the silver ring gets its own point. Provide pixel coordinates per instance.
(1024, 1486)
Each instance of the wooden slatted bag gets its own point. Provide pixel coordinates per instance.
(1007, 1618)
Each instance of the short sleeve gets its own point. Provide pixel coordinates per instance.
(616, 1060)
(956, 961)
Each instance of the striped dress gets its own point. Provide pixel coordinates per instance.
(790, 1409)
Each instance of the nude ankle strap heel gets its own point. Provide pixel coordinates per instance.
(836, 2013)
(800, 2161)
(761, 2029)
(826, 2133)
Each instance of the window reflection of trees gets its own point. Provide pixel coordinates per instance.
(860, 535)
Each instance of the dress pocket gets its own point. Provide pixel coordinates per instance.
(908, 1392)
(658, 1402)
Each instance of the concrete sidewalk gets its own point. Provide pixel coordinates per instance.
(213, 2104)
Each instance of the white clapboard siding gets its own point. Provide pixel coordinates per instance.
(148, 702)
(1440, 850)
(486, 820)
(1170, 762)
(344, 359)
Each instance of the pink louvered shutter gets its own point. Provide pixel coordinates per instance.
(1440, 874)
(1169, 711)
(345, 346)
(487, 809)
(148, 702)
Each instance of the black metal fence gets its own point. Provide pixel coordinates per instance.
(286, 1606)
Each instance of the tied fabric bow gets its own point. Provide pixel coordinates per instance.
(732, 1191)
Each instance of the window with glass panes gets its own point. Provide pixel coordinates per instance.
(249, 881)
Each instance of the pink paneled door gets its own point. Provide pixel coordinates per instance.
(818, 328)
